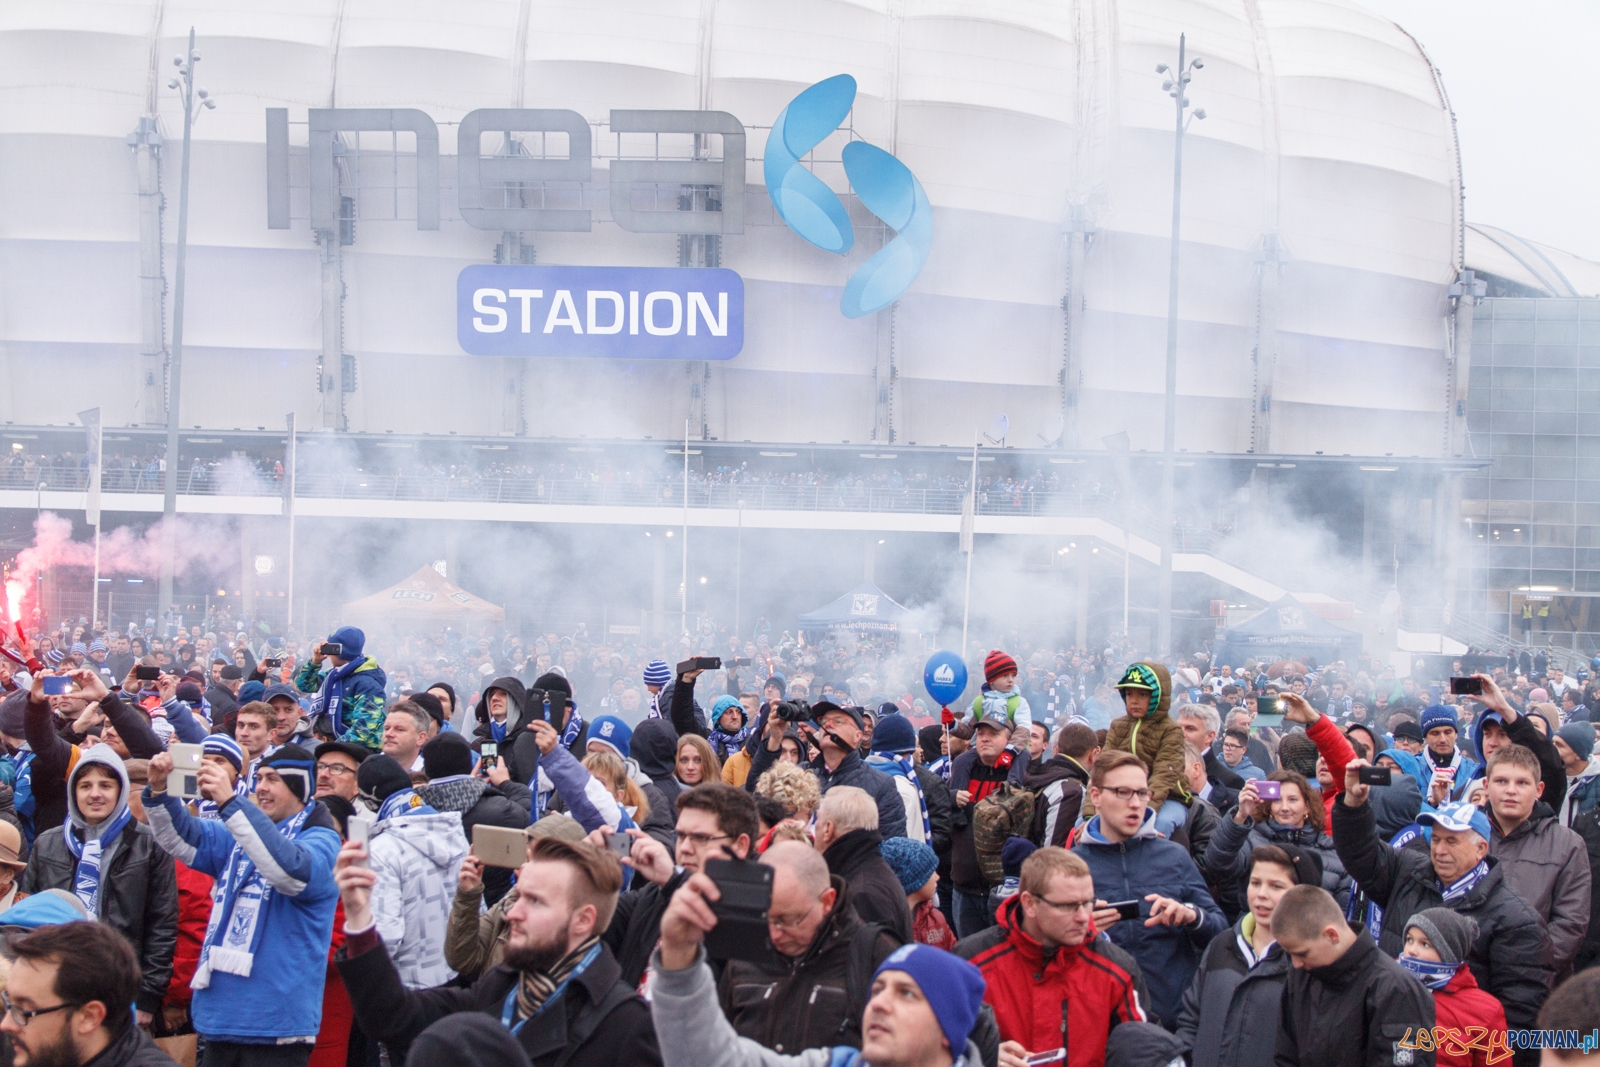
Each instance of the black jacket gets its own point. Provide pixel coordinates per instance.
(222, 702)
(804, 1003)
(636, 925)
(138, 898)
(1511, 957)
(53, 756)
(518, 750)
(1364, 998)
(132, 1048)
(390, 1013)
(876, 893)
(1220, 774)
(1195, 835)
(1229, 1014)
(1059, 783)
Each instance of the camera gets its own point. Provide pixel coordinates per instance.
(794, 711)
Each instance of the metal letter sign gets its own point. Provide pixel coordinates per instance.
(474, 169)
(600, 312)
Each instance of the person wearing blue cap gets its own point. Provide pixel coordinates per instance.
(1439, 726)
(1511, 956)
(350, 688)
(921, 1007)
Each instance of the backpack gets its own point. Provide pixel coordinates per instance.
(1007, 812)
(859, 970)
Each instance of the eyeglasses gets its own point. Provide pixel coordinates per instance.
(334, 770)
(700, 841)
(790, 922)
(1125, 794)
(1067, 906)
(23, 1018)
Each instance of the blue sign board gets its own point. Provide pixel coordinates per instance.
(600, 312)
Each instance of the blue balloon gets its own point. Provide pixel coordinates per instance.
(945, 677)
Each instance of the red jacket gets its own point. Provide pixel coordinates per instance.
(1460, 1005)
(1334, 747)
(194, 912)
(1072, 999)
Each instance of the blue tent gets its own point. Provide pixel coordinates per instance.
(1286, 630)
(866, 607)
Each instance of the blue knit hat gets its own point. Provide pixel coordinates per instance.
(612, 732)
(894, 733)
(79, 647)
(226, 747)
(250, 692)
(911, 861)
(351, 641)
(54, 657)
(1438, 715)
(952, 986)
(657, 673)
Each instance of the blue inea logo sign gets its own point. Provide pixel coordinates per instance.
(617, 312)
(695, 313)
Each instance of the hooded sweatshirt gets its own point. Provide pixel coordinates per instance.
(417, 859)
(1583, 792)
(518, 750)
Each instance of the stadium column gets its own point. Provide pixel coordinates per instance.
(1268, 264)
(331, 249)
(885, 380)
(146, 142)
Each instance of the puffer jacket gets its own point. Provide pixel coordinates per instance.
(1229, 1016)
(804, 1002)
(138, 883)
(476, 801)
(1462, 1004)
(363, 705)
(1072, 997)
(1548, 867)
(1156, 739)
(1233, 844)
(1129, 870)
(417, 859)
(1511, 957)
(1587, 826)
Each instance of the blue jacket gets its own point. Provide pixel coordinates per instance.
(282, 998)
(1148, 863)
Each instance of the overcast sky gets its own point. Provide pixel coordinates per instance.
(1527, 115)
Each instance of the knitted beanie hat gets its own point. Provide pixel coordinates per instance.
(1450, 932)
(1298, 753)
(911, 861)
(997, 664)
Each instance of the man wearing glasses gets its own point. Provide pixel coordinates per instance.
(794, 1002)
(337, 764)
(1132, 864)
(715, 820)
(66, 999)
(1051, 981)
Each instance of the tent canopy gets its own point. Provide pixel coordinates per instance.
(424, 598)
(1286, 630)
(866, 607)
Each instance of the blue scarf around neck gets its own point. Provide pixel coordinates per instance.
(86, 883)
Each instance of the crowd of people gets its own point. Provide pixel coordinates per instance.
(228, 847)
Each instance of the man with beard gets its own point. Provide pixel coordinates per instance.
(558, 989)
(69, 1016)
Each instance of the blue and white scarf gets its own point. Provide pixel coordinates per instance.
(725, 744)
(206, 808)
(889, 765)
(574, 726)
(941, 767)
(86, 885)
(236, 904)
(1465, 884)
(402, 802)
(1433, 975)
(330, 697)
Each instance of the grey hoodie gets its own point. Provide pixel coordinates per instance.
(103, 756)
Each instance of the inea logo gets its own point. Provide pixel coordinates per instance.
(944, 675)
(885, 186)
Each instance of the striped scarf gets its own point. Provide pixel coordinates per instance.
(889, 765)
(1464, 885)
(535, 988)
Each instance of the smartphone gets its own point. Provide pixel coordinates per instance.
(271, 663)
(1266, 705)
(1272, 719)
(357, 830)
(58, 685)
(331, 649)
(186, 765)
(1269, 790)
(1374, 775)
(1466, 687)
(741, 663)
(1126, 909)
(490, 751)
(1039, 1059)
(146, 674)
(741, 930)
(620, 843)
(499, 846)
